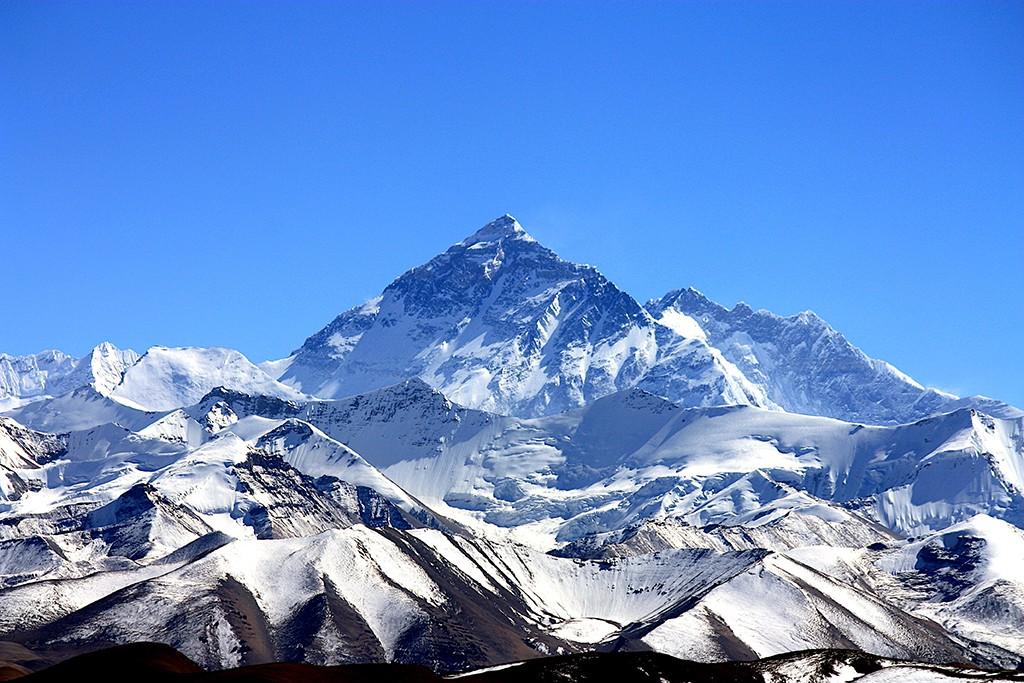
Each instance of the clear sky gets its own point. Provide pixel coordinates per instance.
(236, 174)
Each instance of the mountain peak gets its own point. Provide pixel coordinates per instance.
(502, 228)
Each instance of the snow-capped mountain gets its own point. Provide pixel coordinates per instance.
(505, 456)
(501, 323)
(805, 366)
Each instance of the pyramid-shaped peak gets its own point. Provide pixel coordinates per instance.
(107, 349)
(503, 228)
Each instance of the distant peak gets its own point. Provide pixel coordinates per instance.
(689, 301)
(502, 228)
(105, 349)
(414, 386)
(810, 317)
(690, 294)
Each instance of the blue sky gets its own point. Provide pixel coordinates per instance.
(236, 174)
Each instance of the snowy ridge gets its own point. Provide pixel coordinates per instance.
(804, 365)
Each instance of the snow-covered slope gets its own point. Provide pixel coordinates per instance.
(81, 408)
(966, 578)
(804, 365)
(783, 605)
(793, 521)
(501, 323)
(24, 448)
(969, 578)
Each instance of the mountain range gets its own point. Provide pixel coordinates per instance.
(505, 456)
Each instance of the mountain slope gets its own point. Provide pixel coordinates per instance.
(968, 577)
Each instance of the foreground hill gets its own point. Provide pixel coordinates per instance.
(159, 663)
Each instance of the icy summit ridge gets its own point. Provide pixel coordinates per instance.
(501, 228)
